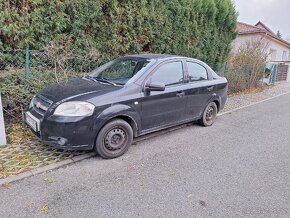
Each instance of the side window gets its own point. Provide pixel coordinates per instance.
(169, 74)
(196, 72)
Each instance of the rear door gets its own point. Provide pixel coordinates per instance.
(162, 108)
(199, 89)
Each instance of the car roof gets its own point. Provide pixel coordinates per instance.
(161, 57)
(154, 56)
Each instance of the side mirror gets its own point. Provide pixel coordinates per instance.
(155, 86)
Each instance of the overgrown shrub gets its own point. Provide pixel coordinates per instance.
(202, 29)
(12, 59)
(246, 66)
(17, 92)
(57, 62)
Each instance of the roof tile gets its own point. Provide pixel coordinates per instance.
(243, 28)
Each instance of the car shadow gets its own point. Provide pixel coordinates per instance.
(164, 131)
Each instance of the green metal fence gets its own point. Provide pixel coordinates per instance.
(27, 62)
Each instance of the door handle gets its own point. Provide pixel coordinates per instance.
(210, 88)
(180, 94)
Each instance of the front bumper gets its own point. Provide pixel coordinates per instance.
(68, 133)
(67, 146)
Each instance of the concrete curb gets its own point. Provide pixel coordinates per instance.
(75, 159)
(40, 170)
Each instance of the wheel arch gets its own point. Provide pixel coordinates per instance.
(124, 112)
(216, 99)
(217, 102)
(129, 120)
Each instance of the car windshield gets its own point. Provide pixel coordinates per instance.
(120, 71)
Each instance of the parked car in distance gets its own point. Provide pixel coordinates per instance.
(126, 98)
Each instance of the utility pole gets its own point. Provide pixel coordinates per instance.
(2, 127)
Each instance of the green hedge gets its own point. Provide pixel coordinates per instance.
(17, 92)
(197, 28)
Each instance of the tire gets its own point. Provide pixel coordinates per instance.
(114, 139)
(209, 114)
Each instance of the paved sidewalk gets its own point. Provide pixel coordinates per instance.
(17, 158)
(247, 99)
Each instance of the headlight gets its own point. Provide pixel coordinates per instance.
(75, 109)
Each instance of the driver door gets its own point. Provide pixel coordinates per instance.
(164, 108)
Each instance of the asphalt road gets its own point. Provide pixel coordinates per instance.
(240, 167)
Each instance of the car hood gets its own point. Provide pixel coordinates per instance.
(75, 87)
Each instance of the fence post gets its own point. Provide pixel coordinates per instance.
(2, 127)
(27, 64)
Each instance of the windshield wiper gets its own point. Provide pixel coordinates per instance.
(90, 78)
(100, 79)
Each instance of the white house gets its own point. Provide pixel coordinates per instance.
(278, 48)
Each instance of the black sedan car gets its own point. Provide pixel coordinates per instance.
(126, 98)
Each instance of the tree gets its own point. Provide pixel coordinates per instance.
(279, 34)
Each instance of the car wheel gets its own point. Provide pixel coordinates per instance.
(209, 114)
(114, 139)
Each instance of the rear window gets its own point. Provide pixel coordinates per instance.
(196, 72)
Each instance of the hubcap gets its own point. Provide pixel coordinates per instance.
(115, 139)
(210, 113)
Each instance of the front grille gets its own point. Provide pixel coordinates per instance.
(41, 104)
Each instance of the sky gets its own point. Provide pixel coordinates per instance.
(273, 13)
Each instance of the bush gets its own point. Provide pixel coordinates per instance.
(202, 29)
(54, 64)
(246, 67)
(17, 92)
(11, 59)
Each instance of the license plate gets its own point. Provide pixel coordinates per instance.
(32, 121)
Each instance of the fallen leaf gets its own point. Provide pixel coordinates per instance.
(7, 185)
(49, 180)
(44, 208)
(170, 174)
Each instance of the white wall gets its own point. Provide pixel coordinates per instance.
(272, 46)
(280, 49)
(241, 40)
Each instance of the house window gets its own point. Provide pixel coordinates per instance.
(289, 57)
(273, 54)
(284, 56)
